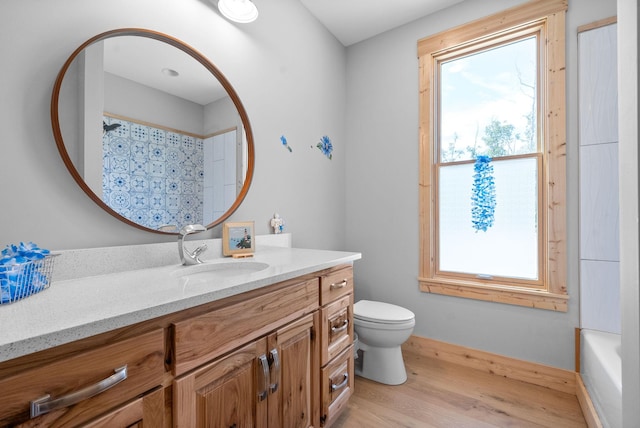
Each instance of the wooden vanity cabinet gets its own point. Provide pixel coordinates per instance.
(277, 356)
(336, 332)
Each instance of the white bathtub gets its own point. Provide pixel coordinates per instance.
(601, 370)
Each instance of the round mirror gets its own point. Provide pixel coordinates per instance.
(152, 131)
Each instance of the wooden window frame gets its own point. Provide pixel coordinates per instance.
(551, 291)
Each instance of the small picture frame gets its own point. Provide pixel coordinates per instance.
(238, 239)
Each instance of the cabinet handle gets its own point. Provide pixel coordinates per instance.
(342, 384)
(47, 404)
(339, 284)
(275, 360)
(343, 327)
(265, 377)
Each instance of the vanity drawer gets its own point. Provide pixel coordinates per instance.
(337, 380)
(335, 285)
(336, 329)
(202, 338)
(90, 372)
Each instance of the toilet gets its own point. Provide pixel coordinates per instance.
(381, 329)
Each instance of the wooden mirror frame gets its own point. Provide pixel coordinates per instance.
(57, 132)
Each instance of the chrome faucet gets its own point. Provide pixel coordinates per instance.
(187, 257)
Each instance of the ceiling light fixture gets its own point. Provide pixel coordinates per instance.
(242, 11)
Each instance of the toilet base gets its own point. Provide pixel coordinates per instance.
(383, 365)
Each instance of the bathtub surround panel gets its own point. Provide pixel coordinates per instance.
(600, 289)
(600, 309)
(598, 108)
(599, 201)
(599, 206)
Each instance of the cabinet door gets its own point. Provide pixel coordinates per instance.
(229, 392)
(293, 358)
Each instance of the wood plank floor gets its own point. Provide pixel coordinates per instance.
(442, 394)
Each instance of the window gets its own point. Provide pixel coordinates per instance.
(492, 158)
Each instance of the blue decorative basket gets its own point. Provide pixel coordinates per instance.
(22, 280)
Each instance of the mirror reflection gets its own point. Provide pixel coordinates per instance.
(152, 131)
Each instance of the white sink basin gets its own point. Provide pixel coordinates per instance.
(208, 271)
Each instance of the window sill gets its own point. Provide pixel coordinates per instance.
(538, 299)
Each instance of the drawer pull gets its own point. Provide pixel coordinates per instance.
(339, 284)
(265, 377)
(342, 384)
(46, 404)
(343, 327)
(275, 360)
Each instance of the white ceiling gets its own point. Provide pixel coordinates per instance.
(353, 21)
(141, 59)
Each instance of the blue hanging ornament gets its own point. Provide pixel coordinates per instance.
(483, 194)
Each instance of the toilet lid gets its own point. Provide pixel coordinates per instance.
(380, 312)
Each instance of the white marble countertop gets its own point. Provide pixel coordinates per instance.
(74, 309)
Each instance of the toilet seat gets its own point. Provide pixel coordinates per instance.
(381, 313)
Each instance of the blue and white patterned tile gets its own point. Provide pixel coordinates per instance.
(173, 170)
(118, 164)
(119, 146)
(140, 216)
(139, 132)
(139, 166)
(139, 150)
(174, 186)
(119, 200)
(174, 156)
(173, 203)
(150, 168)
(189, 187)
(158, 218)
(174, 140)
(158, 136)
(157, 201)
(156, 184)
(157, 152)
(157, 169)
(119, 182)
(188, 144)
(188, 172)
(139, 201)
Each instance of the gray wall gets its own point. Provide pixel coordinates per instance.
(382, 193)
(289, 85)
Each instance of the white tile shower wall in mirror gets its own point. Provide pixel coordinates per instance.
(599, 222)
(220, 181)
